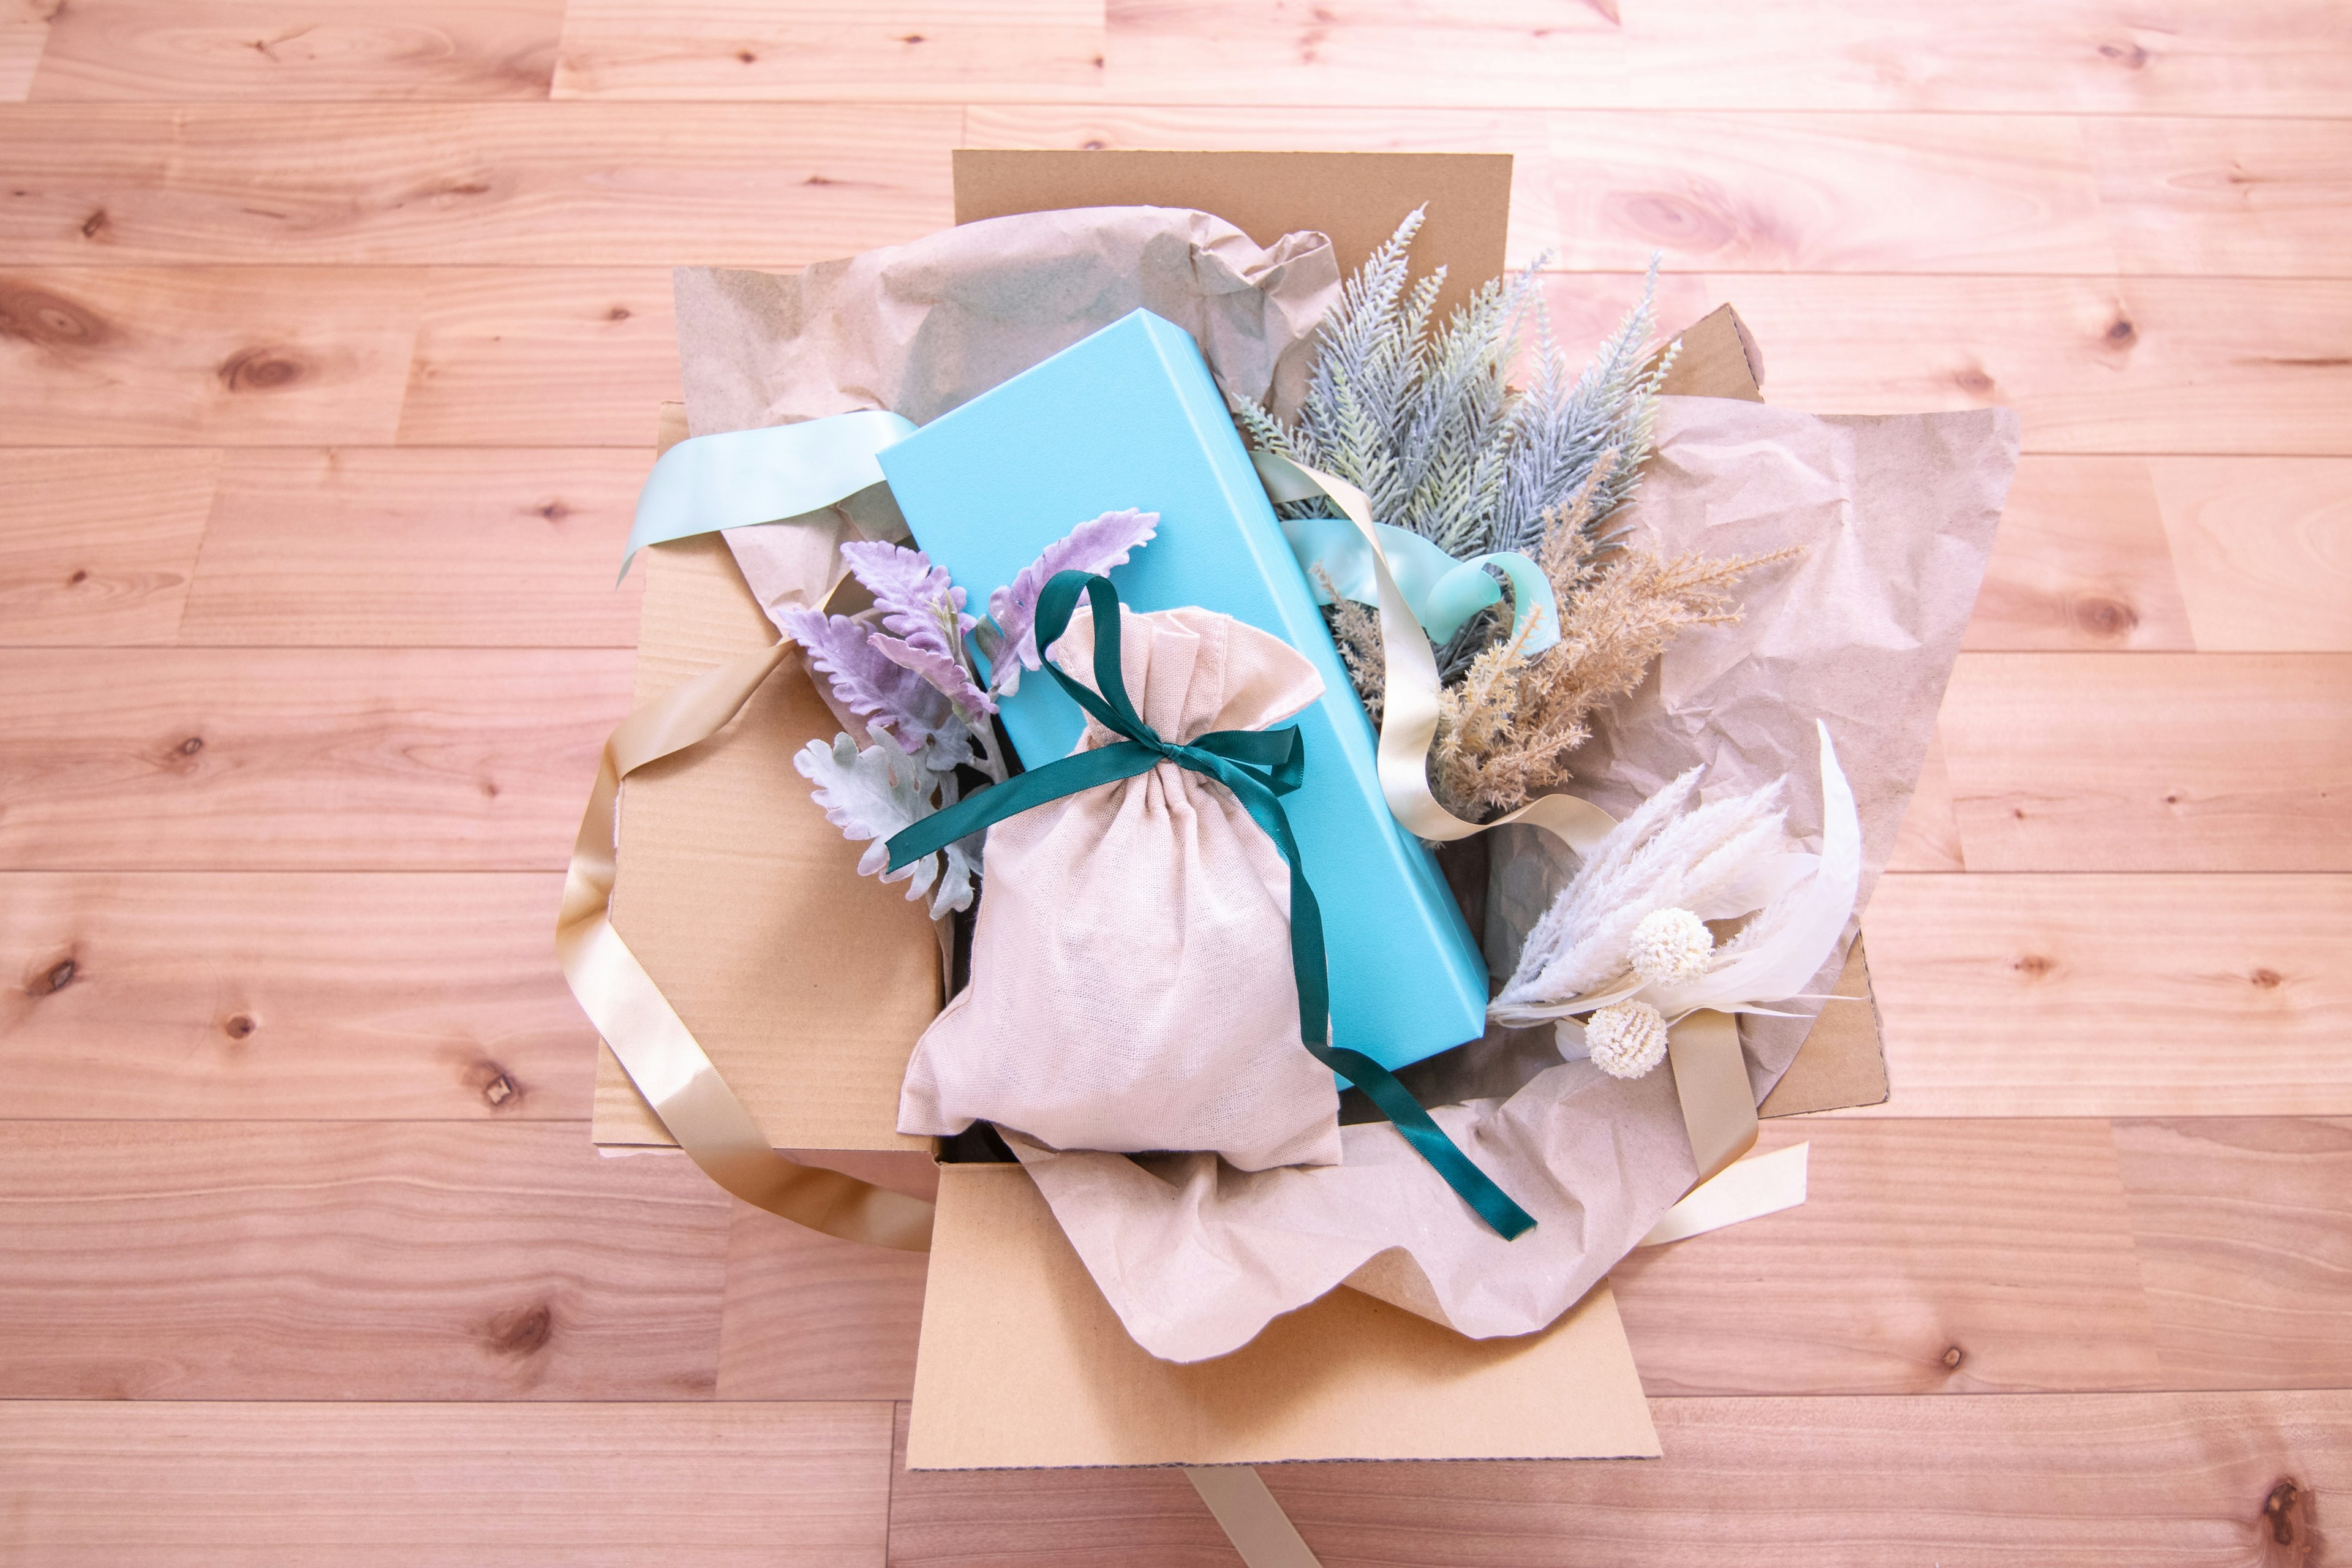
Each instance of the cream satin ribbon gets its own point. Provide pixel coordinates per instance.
(670, 1069)
(1710, 1072)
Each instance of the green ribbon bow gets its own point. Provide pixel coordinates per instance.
(1259, 767)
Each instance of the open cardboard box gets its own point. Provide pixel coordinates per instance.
(807, 985)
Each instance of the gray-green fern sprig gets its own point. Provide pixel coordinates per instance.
(1424, 422)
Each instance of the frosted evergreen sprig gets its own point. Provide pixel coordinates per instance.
(1425, 424)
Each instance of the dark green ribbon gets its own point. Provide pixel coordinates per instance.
(1258, 766)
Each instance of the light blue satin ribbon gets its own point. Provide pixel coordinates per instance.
(744, 478)
(707, 483)
(1443, 592)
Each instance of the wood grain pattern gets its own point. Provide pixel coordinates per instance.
(2264, 549)
(97, 547)
(807, 1317)
(926, 50)
(419, 548)
(2244, 1233)
(2241, 197)
(24, 30)
(543, 357)
(486, 1486)
(2154, 763)
(1602, 190)
(776, 185)
(2147, 365)
(2072, 1480)
(1929, 1257)
(339, 759)
(2114, 995)
(203, 355)
(286, 995)
(2262, 57)
(351, 1260)
(126, 52)
(322, 332)
(2081, 561)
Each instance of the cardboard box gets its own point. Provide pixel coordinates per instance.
(808, 985)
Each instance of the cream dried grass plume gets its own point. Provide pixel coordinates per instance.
(1505, 731)
(1725, 858)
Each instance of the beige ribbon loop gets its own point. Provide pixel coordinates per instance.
(663, 1058)
(1409, 724)
(1711, 1081)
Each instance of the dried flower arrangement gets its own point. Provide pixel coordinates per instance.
(1424, 422)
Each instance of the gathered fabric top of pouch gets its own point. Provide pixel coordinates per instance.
(1191, 672)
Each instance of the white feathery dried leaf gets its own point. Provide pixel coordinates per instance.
(1659, 857)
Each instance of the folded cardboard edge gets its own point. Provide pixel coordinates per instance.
(1022, 1364)
(1356, 199)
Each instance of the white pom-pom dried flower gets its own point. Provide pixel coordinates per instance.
(1671, 947)
(1626, 1039)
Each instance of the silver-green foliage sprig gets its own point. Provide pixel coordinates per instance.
(1424, 422)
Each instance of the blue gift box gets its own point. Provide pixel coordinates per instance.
(1131, 417)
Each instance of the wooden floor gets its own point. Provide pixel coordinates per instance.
(330, 334)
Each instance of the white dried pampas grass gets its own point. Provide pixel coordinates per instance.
(1630, 926)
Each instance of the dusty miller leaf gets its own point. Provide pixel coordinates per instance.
(946, 675)
(874, 793)
(918, 600)
(1096, 546)
(878, 689)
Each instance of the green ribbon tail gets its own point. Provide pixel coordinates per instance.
(1259, 767)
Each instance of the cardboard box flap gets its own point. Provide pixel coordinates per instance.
(1022, 1364)
(806, 982)
(1355, 198)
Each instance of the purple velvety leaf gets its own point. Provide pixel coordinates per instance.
(915, 598)
(944, 673)
(1096, 546)
(874, 686)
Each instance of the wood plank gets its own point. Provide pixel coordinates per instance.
(2155, 762)
(2259, 198)
(124, 51)
(1728, 193)
(541, 356)
(576, 183)
(342, 759)
(2061, 1481)
(2258, 57)
(2114, 995)
(510, 356)
(2081, 561)
(486, 1486)
(2244, 1232)
(96, 547)
(1929, 1257)
(23, 29)
(1930, 838)
(808, 1317)
(286, 995)
(2264, 547)
(419, 548)
(2145, 364)
(204, 356)
(954, 52)
(351, 1260)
